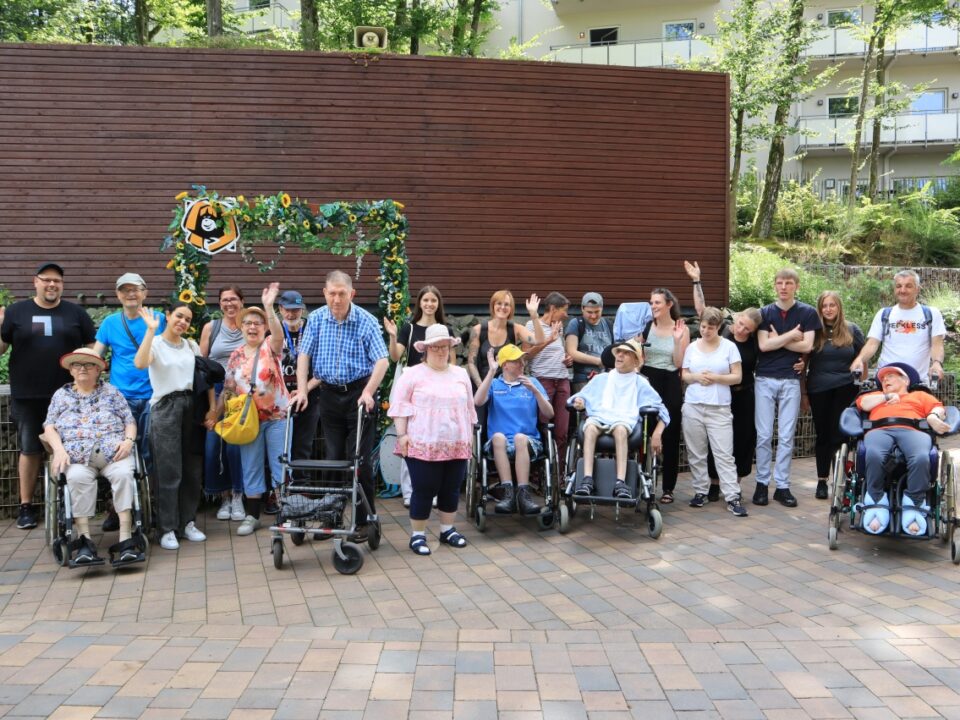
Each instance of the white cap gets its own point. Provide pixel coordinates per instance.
(130, 279)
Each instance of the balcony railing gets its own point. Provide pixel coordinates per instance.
(259, 19)
(915, 39)
(658, 52)
(932, 128)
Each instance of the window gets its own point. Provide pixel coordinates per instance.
(604, 36)
(932, 101)
(842, 106)
(678, 30)
(848, 16)
(259, 4)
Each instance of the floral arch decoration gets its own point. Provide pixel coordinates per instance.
(206, 223)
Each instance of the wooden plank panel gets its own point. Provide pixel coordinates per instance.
(524, 175)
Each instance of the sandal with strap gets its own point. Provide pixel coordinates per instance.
(127, 551)
(666, 498)
(418, 543)
(453, 538)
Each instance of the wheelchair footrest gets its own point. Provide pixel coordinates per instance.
(127, 552)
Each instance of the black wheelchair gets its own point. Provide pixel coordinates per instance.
(59, 530)
(848, 482)
(480, 491)
(642, 472)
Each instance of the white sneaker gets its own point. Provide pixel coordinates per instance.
(237, 513)
(434, 502)
(248, 526)
(406, 502)
(224, 512)
(169, 541)
(192, 533)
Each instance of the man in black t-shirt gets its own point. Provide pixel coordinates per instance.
(785, 333)
(39, 331)
(305, 421)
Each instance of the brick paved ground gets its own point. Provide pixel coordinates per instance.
(722, 617)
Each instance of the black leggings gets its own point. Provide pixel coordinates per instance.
(441, 480)
(744, 433)
(667, 384)
(826, 408)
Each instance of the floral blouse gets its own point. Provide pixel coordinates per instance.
(440, 409)
(271, 396)
(86, 422)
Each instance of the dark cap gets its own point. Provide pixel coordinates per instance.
(592, 299)
(291, 300)
(47, 266)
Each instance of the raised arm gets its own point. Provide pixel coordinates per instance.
(395, 348)
(693, 272)
(144, 355)
(269, 299)
(480, 397)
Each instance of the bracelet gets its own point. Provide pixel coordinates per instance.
(130, 439)
(696, 282)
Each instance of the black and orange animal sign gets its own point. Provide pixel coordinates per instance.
(207, 229)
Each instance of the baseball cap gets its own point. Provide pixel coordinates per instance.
(592, 298)
(49, 266)
(911, 375)
(509, 352)
(291, 300)
(130, 279)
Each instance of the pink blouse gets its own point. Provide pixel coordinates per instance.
(440, 411)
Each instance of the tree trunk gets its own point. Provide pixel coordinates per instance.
(401, 23)
(415, 27)
(858, 124)
(735, 169)
(141, 21)
(214, 18)
(873, 189)
(763, 220)
(766, 208)
(460, 26)
(475, 27)
(309, 25)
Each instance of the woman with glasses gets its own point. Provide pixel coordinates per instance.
(222, 469)
(254, 368)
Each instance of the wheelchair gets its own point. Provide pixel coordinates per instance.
(480, 491)
(59, 524)
(642, 472)
(848, 483)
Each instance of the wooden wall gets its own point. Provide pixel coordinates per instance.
(532, 176)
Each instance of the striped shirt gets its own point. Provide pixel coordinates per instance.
(342, 352)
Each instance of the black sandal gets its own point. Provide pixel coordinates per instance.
(584, 487)
(452, 538)
(418, 543)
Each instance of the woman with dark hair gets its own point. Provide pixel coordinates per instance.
(428, 311)
(827, 387)
(176, 462)
(223, 474)
(667, 336)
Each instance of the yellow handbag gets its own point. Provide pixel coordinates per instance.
(241, 419)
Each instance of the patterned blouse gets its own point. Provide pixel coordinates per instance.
(271, 397)
(85, 422)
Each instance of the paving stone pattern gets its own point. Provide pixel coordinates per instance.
(722, 617)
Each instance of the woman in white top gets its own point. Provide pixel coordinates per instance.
(177, 456)
(710, 366)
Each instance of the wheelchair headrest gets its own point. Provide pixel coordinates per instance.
(953, 420)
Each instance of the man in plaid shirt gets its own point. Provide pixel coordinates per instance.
(343, 345)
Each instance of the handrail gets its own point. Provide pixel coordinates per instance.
(840, 41)
(906, 128)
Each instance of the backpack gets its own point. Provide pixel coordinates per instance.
(885, 322)
(582, 327)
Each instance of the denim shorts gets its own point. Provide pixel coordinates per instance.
(536, 448)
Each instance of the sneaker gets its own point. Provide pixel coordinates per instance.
(249, 525)
(621, 491)
(585, 486)
(271, 506)
(784, 497)
(169, 541)
(713, 494)
(192, 533)
(821, 490)
(237, 513)
(736, 507)
(406, 502)
(26, 520)
(225, 507)
(507, 505)
(361, 534)
(111, 523)
(526, 504)
(760, 495)
(699, 500)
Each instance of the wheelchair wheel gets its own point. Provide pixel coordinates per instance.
(374, 535)
(954, 547)
(654, 523)
(278, 553)
(833, 532)
(480, 518)
(351, 562)
(564, 519)
(60, 552)
(947, 497)
(298, 538)
(545, 520)
(51, 507)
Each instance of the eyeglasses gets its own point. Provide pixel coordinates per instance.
(130, 290)
(50, 280)
(229, 301)
(252, 323)
(84, 366)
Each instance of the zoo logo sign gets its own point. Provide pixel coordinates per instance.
(207, 230)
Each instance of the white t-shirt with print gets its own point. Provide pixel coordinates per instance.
(908, 339)
(719, 362)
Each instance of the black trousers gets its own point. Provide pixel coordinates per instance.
(175, 463)
(338, 417)
(305, 430)
(668, 387)
(744, 433)
(826, 408)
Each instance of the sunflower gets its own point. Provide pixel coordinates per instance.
(241, 198)
(170, 264)
(285, 200)
(306, 224)
(180, 246)
(352, 218)
(186, 296)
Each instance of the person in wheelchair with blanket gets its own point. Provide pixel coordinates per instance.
(896, 411)
(612, 401)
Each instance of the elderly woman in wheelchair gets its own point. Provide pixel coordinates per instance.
(897, 458)
(90, 431)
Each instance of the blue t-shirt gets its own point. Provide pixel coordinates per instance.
(513, 409)
(132, 383)
(779, 363)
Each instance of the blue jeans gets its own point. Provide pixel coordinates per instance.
(268, 446)
(140, 407)
(914, 445)
(777, 399)
(222, 466)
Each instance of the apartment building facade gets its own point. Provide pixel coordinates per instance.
(654, 33)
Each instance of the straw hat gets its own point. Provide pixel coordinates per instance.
(82, 355)
(437, 334)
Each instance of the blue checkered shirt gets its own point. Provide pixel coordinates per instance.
(342, 352)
